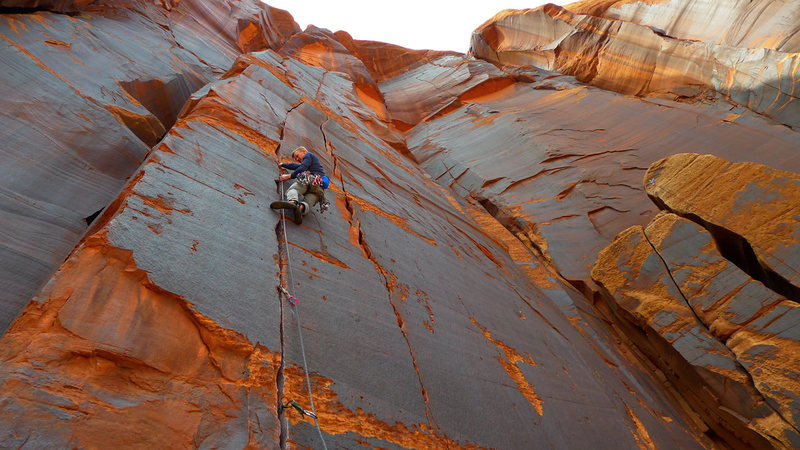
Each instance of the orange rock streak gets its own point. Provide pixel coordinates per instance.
(511, 364)
(335, 418)
(641, 435)
(202, 366)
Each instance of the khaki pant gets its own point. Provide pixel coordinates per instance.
(305, 194)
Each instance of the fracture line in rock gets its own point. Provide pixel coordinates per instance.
(367, 252)
(705, 327)
(296, 314)
(772, 279)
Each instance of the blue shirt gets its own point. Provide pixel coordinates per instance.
(310, 163)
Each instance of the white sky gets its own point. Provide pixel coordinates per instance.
(417, 24)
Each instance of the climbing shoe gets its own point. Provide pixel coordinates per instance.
(298, 213)
(282, 204)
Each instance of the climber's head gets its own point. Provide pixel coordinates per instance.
(299, 153)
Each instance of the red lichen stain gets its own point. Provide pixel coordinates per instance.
(511, 365)
(239, 186)
(194, 246)
(155, 228)
(161, 203)
(164, 148)
(90, 336)
(328, 258)
(334, 418)
(56, 43)
(404, 290)
(366, 444)
(422, 297)
(641, 435)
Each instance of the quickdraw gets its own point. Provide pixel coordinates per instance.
(295, 405)
(289, 296)
(309, 179)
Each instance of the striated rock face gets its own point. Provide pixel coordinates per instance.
(734, 23)
(627, 52)
(560, 162)
(491, 272)
(426, 324)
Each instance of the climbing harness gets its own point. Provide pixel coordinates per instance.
(296, 313)
(310, 179)
(316, 185)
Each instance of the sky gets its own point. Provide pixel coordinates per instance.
(416, 24)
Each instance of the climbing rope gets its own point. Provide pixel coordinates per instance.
(296, 313)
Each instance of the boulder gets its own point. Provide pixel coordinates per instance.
(693, 313)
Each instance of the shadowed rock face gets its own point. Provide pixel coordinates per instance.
(437, 298)
(83, 105)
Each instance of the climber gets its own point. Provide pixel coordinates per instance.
(310, 183)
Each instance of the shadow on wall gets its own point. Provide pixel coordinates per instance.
(74, 166)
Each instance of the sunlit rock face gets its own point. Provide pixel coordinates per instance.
(729, 323)
(738, 56)
(560, 162)
(468, 287)
(734, 23)
(761, 209)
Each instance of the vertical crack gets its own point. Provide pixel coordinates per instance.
(389, 280)
(677, 286)
(739, 365)
(390, 283)
(280, 377)
(283, 266)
